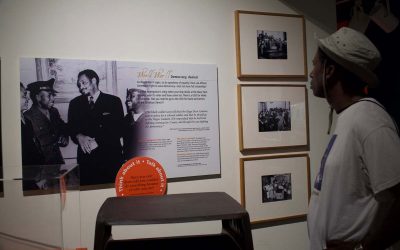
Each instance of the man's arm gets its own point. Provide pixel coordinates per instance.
(118, 117)
(385, 229)
(382, 159)
(112, 126)
(74, 127)
(63, 135)
(74, 120)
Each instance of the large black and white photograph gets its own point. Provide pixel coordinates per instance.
(271, 44)
(276, 187)
(274, 116)
(100, 114)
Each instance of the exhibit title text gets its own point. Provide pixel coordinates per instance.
(162, 74)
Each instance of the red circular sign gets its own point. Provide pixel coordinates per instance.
(141, 176)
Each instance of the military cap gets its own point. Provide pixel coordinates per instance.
(38, 86)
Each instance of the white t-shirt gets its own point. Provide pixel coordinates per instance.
(361, 159)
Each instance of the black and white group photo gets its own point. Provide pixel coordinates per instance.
(71, 113)
(271, 44)
(274, 116)
(276, 187)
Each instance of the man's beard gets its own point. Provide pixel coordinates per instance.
(45, 106)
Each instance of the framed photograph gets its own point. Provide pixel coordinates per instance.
(272, 116)
(270, 45)
(275, 187)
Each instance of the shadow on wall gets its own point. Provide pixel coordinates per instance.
(321, 13)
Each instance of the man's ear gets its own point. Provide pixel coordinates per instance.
(37, 97)
(329, 71)
(93, 81)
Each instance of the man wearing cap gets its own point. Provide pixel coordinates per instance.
(355, 198)
(134, 122)
(31, 153)
(95, 122)
(48, 127)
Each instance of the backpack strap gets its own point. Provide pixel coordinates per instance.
(380, 105)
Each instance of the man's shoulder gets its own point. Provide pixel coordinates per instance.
(109, 99)
(366, 116)
(371, 110)
(78, 98)
(32, 112)
(53, 110)
(109, 96)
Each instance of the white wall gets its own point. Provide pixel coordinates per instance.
(180, 31)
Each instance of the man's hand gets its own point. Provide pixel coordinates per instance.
(63, 141)
(84, 142)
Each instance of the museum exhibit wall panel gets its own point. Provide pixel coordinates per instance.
(174, 31)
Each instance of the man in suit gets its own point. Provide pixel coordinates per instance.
(48, 127)
(134, 122)
(95, 122)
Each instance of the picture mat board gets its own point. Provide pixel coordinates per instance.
(251, 95)
(251, 171)
(248, 63)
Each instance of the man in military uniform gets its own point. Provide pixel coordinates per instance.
(48, 127)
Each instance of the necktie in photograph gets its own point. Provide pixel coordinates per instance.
(91, 103)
